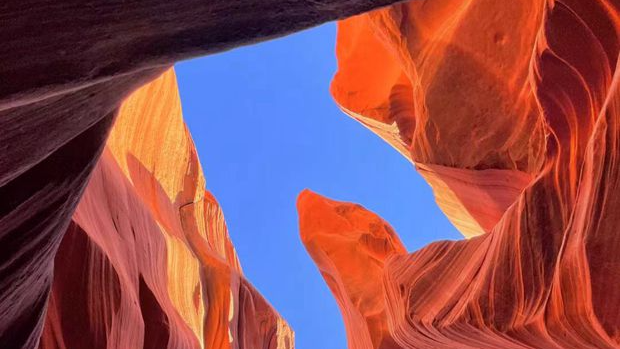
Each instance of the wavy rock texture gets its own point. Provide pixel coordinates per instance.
(510, 110)
(66, 67)
(147, 262)
(453, 95)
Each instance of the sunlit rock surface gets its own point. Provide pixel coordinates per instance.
(147, 262)
(351, 248)
(449, 84)
(511, 111)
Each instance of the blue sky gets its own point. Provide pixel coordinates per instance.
(266, 127)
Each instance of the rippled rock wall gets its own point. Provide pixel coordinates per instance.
(510, 111)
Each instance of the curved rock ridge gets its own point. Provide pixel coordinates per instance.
(147, 261)
(512, 112)
(453, 90)
(351, 247)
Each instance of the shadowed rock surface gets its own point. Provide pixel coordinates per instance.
(66, 68)
(511, 111)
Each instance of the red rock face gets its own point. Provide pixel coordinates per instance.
(351, 247)
(510, 110)
(148, 248)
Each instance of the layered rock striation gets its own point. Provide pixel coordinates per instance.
(147, 261)
(510, 111)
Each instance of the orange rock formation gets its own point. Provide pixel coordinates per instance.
(511, 111)
(351, 247)
(148, 248)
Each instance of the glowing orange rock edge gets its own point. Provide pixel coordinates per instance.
(147, 261)
(511, 111)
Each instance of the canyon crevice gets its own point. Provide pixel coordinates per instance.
(509, 110)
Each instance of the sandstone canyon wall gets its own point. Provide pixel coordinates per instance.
(510, 110)
(147, 262)
(66, 68)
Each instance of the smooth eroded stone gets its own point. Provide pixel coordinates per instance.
(511, 112)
